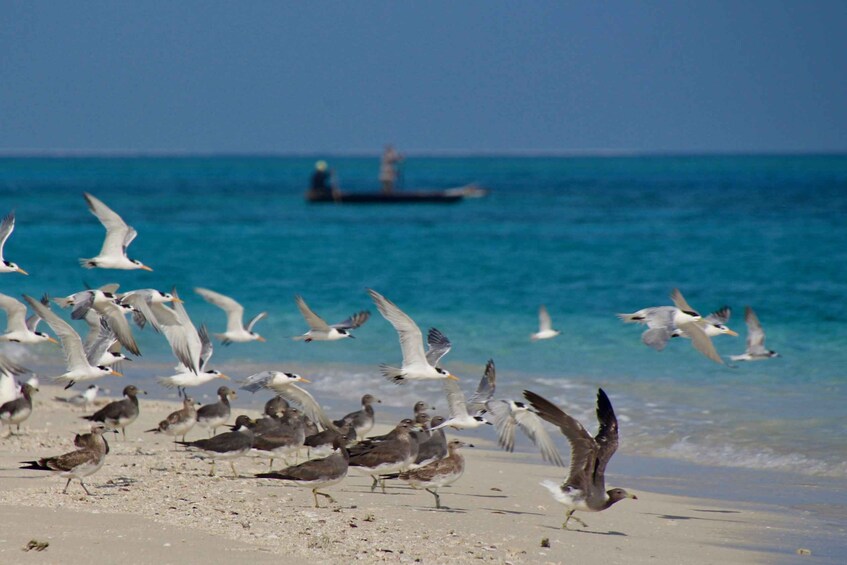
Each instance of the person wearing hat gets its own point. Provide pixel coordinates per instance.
(320, 180)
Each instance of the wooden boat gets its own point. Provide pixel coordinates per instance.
(449, 196)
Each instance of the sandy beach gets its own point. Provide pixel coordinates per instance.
(152, 504)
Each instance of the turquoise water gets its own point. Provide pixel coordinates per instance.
(587, 236)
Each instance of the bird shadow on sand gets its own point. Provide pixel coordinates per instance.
(676, 517)
(590, 532)
(513, 512)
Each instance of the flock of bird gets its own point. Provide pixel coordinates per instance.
(415, 451)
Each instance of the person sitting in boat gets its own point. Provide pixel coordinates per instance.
(320, 185)
(388, 169)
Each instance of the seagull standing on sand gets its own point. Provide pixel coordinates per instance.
(180, 422)
(19, 328)
(235, 330)
(416, 365)
(6, 228)
(545, 326)
(361, 420)
(118, 237)
(228, 445)
(317, 473)
(77, 464)
(756, 350)
(439, 473)
(120, 413)
(78, 367)
(217, 413)
(585, 487)
(319, 330)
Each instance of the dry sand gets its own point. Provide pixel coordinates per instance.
(152, 504)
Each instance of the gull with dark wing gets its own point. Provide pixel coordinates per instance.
(217, 413)
(19, 328)
(319, 330)
(545, 326)
(585, 487)
(13, 412)
(235, 330)
(438, 473)
(284, 384)
(317, 473)
(228, 445)
(756, 350)
(6, 228)
(78, 464)
(78, 367)
(416, 365)
(120, 413)
(180, 422)
(361, 420)
(118, 237)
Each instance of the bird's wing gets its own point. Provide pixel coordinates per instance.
(83, 301)
(117, 321)
(15, 312)
(353, 321)
(71, 342)
(755, 333)
(583, 447)
(116, 229)
(9, 367)
(206, 347)
(719, 316)
(679, 302)
(455, 399)
(504, 422)
(657, 338)
(255, 320)
(6, 228)
(701, 341)
(544, 321)
(529, 422)
(437, 346)
(104, 339)
(606, 438)
(72, 460)
(307, 404)
(33, 321)
(485, 390)
(257, 381)
(411, 339)
(234, 310)
(192, 344)
(315, 322)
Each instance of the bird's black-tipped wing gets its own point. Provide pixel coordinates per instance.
(606, 438)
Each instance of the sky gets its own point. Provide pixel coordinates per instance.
(463, 77)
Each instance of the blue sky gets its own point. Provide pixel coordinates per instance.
(463, 77)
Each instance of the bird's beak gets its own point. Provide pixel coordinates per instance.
(115, 373)
(146, 268)
(180, 300)
(52, 340)
(260, 338)
(21, 271)
(224, 377)
(452, 376)
(633, 497)
(730, 332)
(302, 380)
(143, 391)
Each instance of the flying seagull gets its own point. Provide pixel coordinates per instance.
(319, 330)
(585, 487)
(235, 329)
(756, 350)
(118, 237)
(6, 228)
(545, 326)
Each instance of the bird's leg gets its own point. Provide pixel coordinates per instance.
(123, 431)
(569, 516)
(382, 484)
(212, 472)
(437, 498)
(234, 472)
(65, 490)
(84, 488)
(271, 464)
(373, 485)
(316, 493)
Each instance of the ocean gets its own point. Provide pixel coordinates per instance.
(588, 236)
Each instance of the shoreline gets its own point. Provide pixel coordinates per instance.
(166, 509)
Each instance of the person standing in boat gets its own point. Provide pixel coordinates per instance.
(320, 185)
(388, 169)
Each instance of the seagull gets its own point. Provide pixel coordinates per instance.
(216, 414)
(585, 487)
(235, 330)
(185, 377)
(101, 344)
(545, 326)
(284, 384)
(105, 304)
(319, 330)
(434, 447)
(285, 438)
(756, 350)
(664, 321)
(13, 412)
(84, 399)
(439, 473)
(19, 328)
(387, 456)
(78, 367)
(317, 473)
(6, 228)
(120, 413)
(8, 371)
(228, 445)
(118, 237)
(467, 415)
(416, 365)
(180, 422)
(141, 301)
(78, 464)
(361, 420)
(510, 414)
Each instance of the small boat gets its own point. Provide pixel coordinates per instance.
(449, 196)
